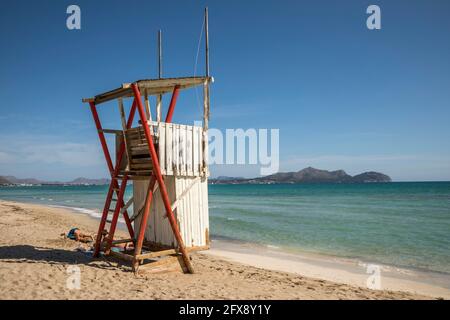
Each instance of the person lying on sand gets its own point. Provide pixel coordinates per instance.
(77, 235)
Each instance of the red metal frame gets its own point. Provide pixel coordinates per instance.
(156, 177)
(173, 101)
(151, 186)
(114, 186)
(144, 220)
(160, 180)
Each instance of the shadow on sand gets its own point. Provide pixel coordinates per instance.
(31, 254)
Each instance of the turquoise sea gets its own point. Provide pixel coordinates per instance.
(400, 224)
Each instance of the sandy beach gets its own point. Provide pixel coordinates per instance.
(34, 259)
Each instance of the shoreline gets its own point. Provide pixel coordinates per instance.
(345, 270)
(335, 269)
(239, 260)
(346, 251)
(95, 214)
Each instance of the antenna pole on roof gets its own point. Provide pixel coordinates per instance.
(207, 41)
(159, 54)
(206, 101)
(159, 97)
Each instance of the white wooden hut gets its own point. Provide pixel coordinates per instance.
(185, 174)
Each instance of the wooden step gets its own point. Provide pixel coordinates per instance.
(140, 149)
(142, 174)
(141, 161)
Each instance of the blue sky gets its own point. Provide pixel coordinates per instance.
(343, 96)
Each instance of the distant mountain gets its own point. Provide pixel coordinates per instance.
(4, 181)
(78, 181)
(224, 178)
(81, 181)
(14, 180)
(309, 175)
(371, 176)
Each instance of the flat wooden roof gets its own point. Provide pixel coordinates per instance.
(149, 87)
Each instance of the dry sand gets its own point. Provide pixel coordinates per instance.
(34, 260)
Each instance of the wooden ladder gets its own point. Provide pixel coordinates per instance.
(115, 187)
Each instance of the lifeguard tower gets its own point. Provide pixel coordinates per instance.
(167, 164)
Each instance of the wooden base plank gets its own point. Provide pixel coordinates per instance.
(167, 264)
(121, 255)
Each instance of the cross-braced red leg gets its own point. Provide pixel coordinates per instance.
(151, 186)
(144, 221)
(159, 178)
(115, 218)
(114, 171)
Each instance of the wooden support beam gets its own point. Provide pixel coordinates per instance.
(147, 107)
(122, 241)
(124, 130)
(158, 108)
(155, 254)
(204, 161)
(167, 252)
(127, 205)
(122, 114)
(170, 263)
(121, 255)
(111, 131)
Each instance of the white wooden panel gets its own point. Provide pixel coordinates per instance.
(169, 149)
(194, 217)
(205, 152)
(191, 213)
(200, 149)
(205, 209)
(169, 238)
(199, 218)
(180, 213)
(189, 147)
(162, 148)
(156, 206)
(195, 152)
(182, 149)
(176, 149)
(139, 188)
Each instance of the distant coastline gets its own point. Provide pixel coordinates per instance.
(308, 175)
(13, 181)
